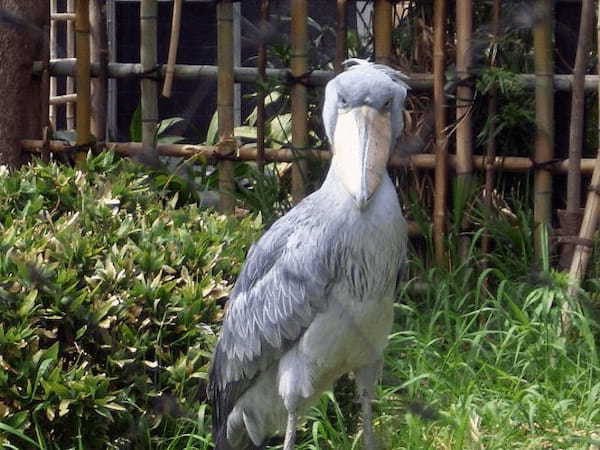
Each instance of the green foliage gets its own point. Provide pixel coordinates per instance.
(109, 291)
(514, 123)
(479, 360)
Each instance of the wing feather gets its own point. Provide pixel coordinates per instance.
(284, 283)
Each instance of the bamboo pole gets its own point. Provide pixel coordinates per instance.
(382, 31)
(62, 99)
(544, 113)
(591, 215)
(512, 164)
(464, 105)
(441, 144)
(62, 17)
(149, 85)
(82, 41)
(417, 82)
(173, 46)
(99, 55)
(225, 94)
(46, 124)
(341, 29)
(490, 148)
(70, 114)
(299, 66)
(589, 225)
(262, 71)
(572, 216)
(53, 55)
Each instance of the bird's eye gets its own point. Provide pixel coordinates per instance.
(387, 105)
(342, 102)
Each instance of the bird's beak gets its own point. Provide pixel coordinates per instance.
(361, 147)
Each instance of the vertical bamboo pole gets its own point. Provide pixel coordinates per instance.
(149, 84)
(382, 31)
(53, 55)
(237, 62)
(441, 144)
(589, 225)
(340, 35)
(111, 109)
(262, 71)
(45, 88)
(299, 66)
(576, 125)
(70, 115)
(544, 113)
(225, 94)
(490, 148)
(591, 215)
(82, 44)
(464, 102)
(99, 55)
(173, 46)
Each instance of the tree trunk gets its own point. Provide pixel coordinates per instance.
(22, 40)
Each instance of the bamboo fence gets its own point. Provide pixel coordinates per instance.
(299, 67)
(572, 216)
(82, 44)
(463, 162)
(53, 55)
(262, 71)
(71, 54)
(149, 83)
(173, 46)
(341, 50)
(99, 55)
(441, 138)
(492, 109)
(464, 104)
(591, 215)
(544, 114)
(225, 91)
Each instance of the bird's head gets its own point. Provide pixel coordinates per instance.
(363, 117)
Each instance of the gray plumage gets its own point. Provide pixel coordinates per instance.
(314, 298)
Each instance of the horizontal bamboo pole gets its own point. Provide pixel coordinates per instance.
(62, 99)
(513, 164)
(417, 81)
(62, 17)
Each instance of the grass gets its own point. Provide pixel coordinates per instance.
(480, 369)
(477, 358)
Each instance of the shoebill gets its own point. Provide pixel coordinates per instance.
(315, 296)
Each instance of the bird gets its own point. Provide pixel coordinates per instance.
(314, 298)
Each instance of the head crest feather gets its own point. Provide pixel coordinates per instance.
(395, 75)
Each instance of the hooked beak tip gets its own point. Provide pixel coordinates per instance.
(362, 200)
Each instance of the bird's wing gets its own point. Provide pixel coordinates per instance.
(284, 282)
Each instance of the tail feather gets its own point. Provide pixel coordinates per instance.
(223, 400)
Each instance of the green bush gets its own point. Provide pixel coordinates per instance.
(109, 289)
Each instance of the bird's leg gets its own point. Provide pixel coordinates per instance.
(290, 432)
(366, 378)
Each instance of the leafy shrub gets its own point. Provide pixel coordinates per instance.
(108, 295)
